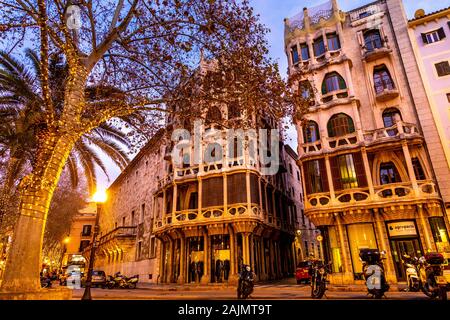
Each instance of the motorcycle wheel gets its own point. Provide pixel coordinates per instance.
(429, 293)
(110, 285)
(132, 285)
(378, 294)
(443, 293)
(318, 290)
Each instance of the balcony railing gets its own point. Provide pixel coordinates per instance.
(401, 191)
(398, 130)
(125, 232)
(364, 12)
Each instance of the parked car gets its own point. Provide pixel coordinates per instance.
(302, 272)
(98, 279)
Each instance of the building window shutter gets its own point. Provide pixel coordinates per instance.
(424, 38)
(335, 174)
(323, 175)
(360, 172)
(441, 33)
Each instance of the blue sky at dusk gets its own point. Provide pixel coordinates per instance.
(272, 13)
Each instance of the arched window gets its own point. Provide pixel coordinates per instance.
(306, 90)
(382, 79)
(389, 173)
(214, 115)
(339, 125)
(372, 39)
(332, 82)
(310, 132)
(389, 117)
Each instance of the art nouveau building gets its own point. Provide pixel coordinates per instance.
(366, 171)
(197, 222)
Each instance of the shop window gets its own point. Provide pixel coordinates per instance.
(390, 116)
(335, 250)
(333, 82)
(440, 234)
(389, 173)
(360, 236)
(443, 68)
(305, 51)
(319, 47)
(372, 40)
(340, 125)
(311, 132)
(294, 54)
(382, 79)
(220, 258)
(333, 42)
(418, 170)
(195, 255)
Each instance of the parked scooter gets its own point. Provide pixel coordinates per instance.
(245, 282)
(412, 277)
(373, 270)
(319, 272)
(46, 282)
(431, 275)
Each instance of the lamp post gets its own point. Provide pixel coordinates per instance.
(99, 198)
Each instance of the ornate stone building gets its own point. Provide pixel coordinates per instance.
(198, 222)
(366, 169)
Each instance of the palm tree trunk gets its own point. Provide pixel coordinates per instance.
(36, 190)
(5, 191)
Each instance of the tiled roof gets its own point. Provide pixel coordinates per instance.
(430, 14)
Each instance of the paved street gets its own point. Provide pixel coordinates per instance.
(265, 291)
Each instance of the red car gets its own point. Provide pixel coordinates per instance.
(302, 272)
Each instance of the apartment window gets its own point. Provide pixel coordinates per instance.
(83, 245)
(306, 249)
(142, 212)
(139, 250)
(433, 36)
(390, 116)
(86, 230)
(132, 218)
(340, 125)
(319, 47)
(304, 51)
(313, 173)
(123, 221)
(372, 40)
(389, 173)
(442, 68)
(448, 97)
(193, 200)
(333, 42)
(347, 171)
(418, 170)
(382, 79)
(290, 168)
(298, 175)
(294, 54)
(332, 82)
(306, 90)
(311, 132)
(152, 247)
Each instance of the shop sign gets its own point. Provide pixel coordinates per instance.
(402, 228)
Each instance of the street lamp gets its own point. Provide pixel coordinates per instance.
(99, 197)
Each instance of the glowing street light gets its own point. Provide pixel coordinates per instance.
(99, 196)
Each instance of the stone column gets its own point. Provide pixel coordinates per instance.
(174, 201)
(200, 195)
(348, 275)
(247, 185)
(260, 197)
(170, 262)
(412, 175)
(181, 278)
(426, 234)
(390, 273)
(330, 178)
(225, 195)
(245, 248)
(232, 251)
(206, 254)
(367, 171)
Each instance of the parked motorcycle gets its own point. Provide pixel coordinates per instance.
(46, 282)
(122, 282)
(431, 275)
(319, 272)
(412, 276)
(245, 282)
(373, 270)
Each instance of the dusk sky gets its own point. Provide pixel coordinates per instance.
(272, 13)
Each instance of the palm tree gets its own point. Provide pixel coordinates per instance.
(22, 122)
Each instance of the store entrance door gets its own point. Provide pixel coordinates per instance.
(399, 248)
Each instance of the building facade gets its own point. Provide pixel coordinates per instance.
(430, 39)
(367, 174)
(80, 237)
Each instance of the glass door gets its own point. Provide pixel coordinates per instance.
(399, 248)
